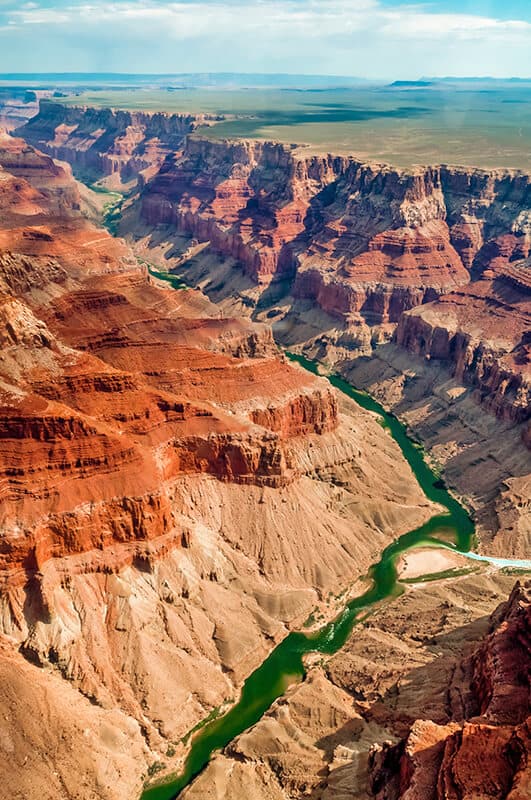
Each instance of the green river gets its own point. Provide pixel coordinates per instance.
(285, 664)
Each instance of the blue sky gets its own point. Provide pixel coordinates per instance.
(369, 38)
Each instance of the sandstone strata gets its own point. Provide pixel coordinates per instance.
(483, 332)
(250, 200)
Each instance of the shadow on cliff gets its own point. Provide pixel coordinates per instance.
(444, 418)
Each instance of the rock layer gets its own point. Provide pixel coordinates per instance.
(369, 248)
(250, 200)
(93, 380)
(362, 243)
(483, 332)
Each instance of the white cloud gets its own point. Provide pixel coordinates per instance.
(343, 36)
(316, 19)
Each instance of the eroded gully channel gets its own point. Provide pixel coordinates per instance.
(453, 528)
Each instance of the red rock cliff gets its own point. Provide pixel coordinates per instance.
(112, 386)
(250, 200)
(369, 243)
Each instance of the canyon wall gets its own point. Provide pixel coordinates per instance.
(411, 283)
(366, 244)
(92, 381)
(250, 200)
(105, 142)
(483, 332)
(369, 246)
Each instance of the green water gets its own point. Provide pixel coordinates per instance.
(285, 664)
(112, 210)
(174, 281)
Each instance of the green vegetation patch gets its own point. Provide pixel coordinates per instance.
(440, 576)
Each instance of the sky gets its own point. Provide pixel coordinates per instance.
(379, 39)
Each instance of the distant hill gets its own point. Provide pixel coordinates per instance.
(411, 83)
(476, 79)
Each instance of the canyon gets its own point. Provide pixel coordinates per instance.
(413, 284)
(177, 496)
(173, 497)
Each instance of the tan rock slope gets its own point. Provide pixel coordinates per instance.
(174, 498)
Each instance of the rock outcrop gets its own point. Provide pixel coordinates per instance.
(250, 200)
(93, 380)
(373, 719)
(486, 755)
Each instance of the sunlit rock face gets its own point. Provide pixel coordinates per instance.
(100, 395)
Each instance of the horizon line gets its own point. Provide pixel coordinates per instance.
(423, 78)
